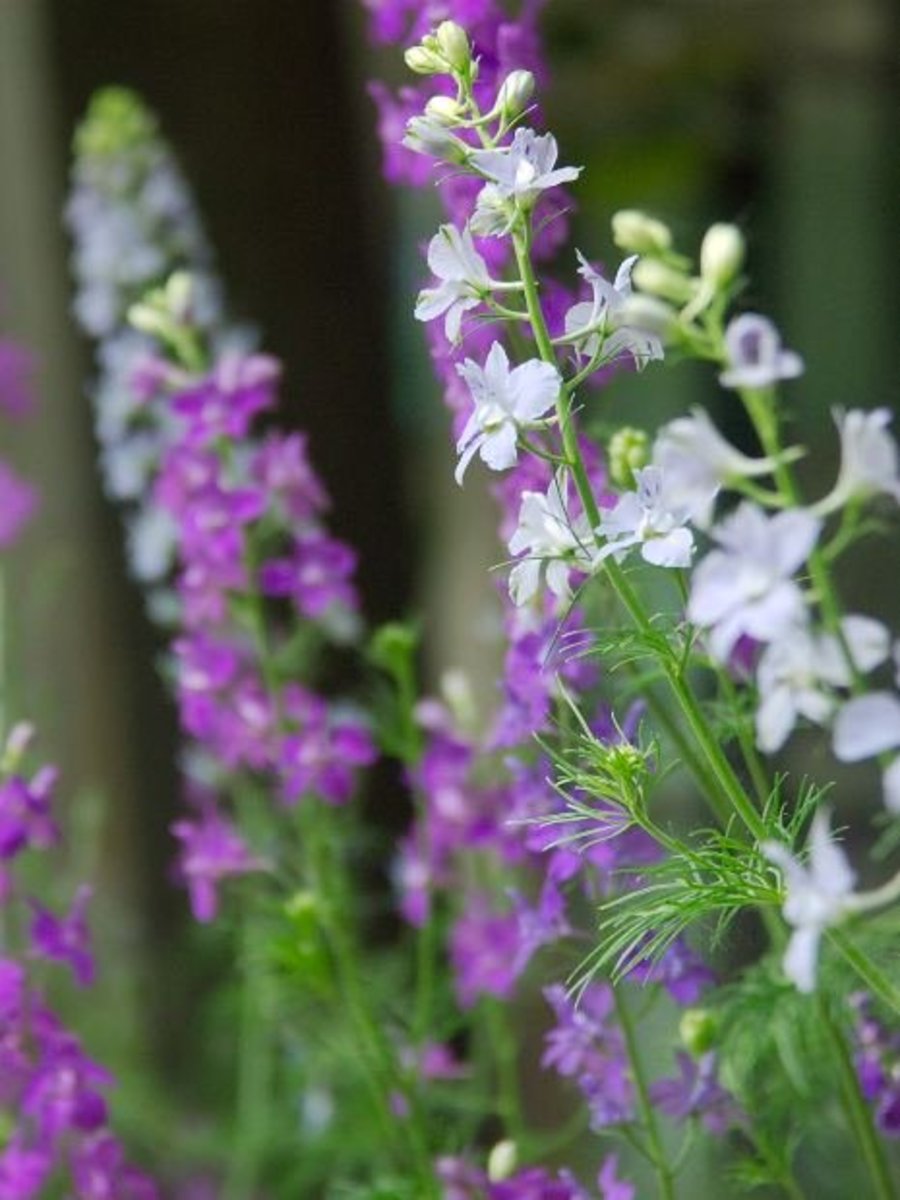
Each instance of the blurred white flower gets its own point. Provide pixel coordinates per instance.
(755, 356)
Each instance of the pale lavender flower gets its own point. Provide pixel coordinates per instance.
(610, 1186)
(517, 174)
(505, 401)
(797, 672)
(463, 276)
(696, 1092)
(646, 518)
(870, 464)
(747, 586)
(697, 461)
(599, 324)
(817, 897)
(755, 356)
(551, 540)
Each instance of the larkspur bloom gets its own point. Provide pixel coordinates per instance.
(816, 897)
(463, 275)
(517, 174)
(551, 541)
(746, 586)
(870, 465)
(505, 401)
(697, 461)
(696, 1092)
(867, 726)
(596, 327)
(798, 672)
(647, 518)
(755, 355)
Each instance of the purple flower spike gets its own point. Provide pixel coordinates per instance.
(211, 850)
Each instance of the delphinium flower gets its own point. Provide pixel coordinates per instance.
(816, 897)
(52, 1094)
(877, 1061)
(133, 223)
(747, 585)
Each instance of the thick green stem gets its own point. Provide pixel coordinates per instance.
(664, 1176)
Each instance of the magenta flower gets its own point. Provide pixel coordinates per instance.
(211, 850)
(18, 502)
(65, 939)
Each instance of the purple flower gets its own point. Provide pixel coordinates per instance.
(610, 1187)
(585, 1045)
(224, 403)
(484, 945)
(681, 971)
(18, 501)
(211, 850)
(101, 1172)
(65, 939)
(25, 813)
(16, 367)
(23, 1170)
(696, 1092)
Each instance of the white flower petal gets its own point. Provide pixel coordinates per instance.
(867, 726)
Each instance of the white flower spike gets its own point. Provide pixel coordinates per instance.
(818, 896)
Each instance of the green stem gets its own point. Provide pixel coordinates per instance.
(506, 1057)
(664, 1175)
(858, 1113)
(252, 1108)
(872, 975)
(383, 1076)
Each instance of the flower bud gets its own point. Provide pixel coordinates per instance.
(151, 318)
(425, 135)
(698, 1029)
(721, 254)
(453, 43)
(515, 92)
(636, 232)
(502, 1161)
(443, 109)
(647, 314)
(628, 451)
(424, 61)
(658, 279)
(19, 739)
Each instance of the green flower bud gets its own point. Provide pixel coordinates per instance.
(302, 909)
(444, 110)
(628, 451)
(116, 120)
(515, 92)
(150, 317)
(721, 255)
(648, 314)
(502, 1161)
(698, 1030)
(453, 43)
(639, 234)
(424, 61)
(658, 279)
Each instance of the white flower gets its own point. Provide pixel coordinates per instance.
(746, 587)
(551, 540)
(817, 897)
(524, 168)
(869, 459)
(866, 726)
(755, 356)
(647, 519)
(601, 317)
(463, 276)
(796, 672)
(505, 400)
(697, 461)
(516, 175)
